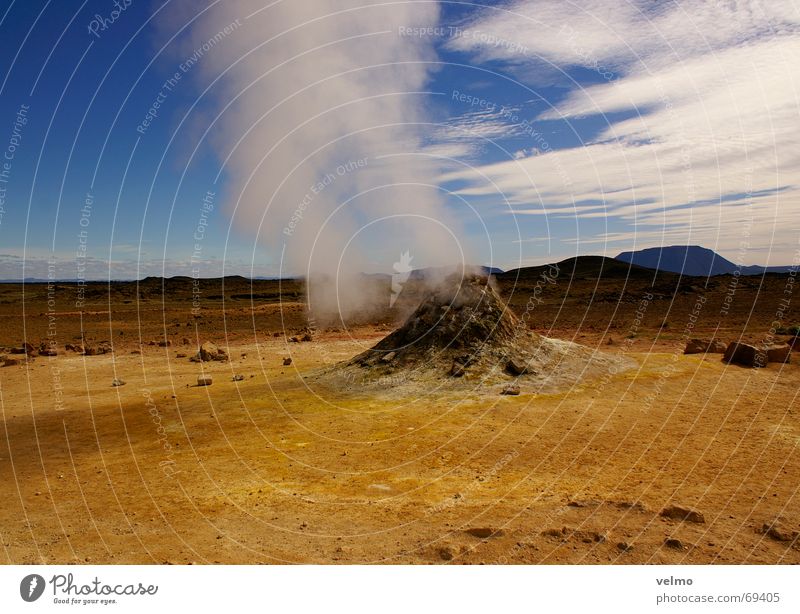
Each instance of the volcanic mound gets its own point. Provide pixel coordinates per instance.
(464, 335)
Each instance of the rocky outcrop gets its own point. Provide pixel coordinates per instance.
(463, 333)
(745, 355)
(779, 353)
(676, 512)
(705, 346)
(210, 352)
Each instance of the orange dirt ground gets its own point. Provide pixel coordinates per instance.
(267, 470)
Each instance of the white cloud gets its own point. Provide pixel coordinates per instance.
(715, 97)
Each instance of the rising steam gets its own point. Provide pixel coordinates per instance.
(322, 134)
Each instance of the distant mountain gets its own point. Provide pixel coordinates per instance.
(423, 273)
(692, 260)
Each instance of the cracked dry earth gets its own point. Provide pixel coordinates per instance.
(267, 470)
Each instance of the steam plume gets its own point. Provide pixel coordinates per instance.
(321, 137)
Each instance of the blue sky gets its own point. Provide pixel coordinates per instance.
(540, 129)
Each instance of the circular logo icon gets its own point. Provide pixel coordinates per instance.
(31, 587)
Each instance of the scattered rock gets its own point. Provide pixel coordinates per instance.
(186, 341)
(209, 351)
(682, 513)
(446, 553)
(47, 349)
(717, 347)
(745, 354)
(238, 377)
(629, 505)
(591, 536)
(624, 546)
(705, 346)
(105, 347)
(779, 353)
(389, 357)
(584, 503)
(516, 367)
(510, 389)
(675, 544)
(294, 340)
(307, 337)
(90, 350)
(586, 537)
(136, 351)
(457, 369)
(779, 532)
(484, 532)
(287, 362)
(203, 380)
(10, 362)
(116, 382)
(165, 343)
(180, 355)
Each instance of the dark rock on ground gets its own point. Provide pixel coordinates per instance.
(210, 352)
(676, 512)
(516, 367)
(705, 346)
(778, 531)
(779, 353)
(745, 355)
(484, 532)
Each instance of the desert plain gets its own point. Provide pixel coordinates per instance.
(677, 459)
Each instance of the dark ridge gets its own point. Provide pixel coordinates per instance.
(579, 267)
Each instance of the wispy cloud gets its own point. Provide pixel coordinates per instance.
(710, 95)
